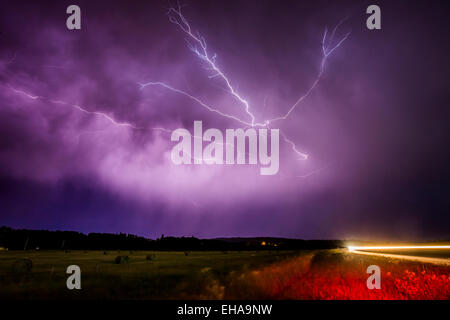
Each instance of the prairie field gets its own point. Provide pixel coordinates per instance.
(315, 274)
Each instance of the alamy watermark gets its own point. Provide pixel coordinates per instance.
(222, 151)
(374, 280)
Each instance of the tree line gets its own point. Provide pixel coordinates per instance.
(23, 239)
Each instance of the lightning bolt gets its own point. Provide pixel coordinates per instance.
(302, 156)
(200, 102)
(197, 44)
(85, 110)
(327, 50)
(82, 109)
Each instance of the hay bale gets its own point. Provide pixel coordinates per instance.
(150, 257)
(122, 259)
(22, 266)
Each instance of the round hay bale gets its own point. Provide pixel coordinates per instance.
(150, 257)
(22, 266)
(122, 259)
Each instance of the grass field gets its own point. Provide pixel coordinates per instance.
(171, 274)
(321, 274)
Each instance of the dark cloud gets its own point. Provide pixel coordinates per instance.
(375, 127)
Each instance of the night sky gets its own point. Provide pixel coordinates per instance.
(375, 127)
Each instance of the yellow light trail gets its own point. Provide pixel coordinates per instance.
(365, 250)
(354, 248)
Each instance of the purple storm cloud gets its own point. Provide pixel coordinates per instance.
(86, 124)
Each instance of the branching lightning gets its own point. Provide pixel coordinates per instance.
(326, 51)
(196, 41)
(197, 44)
(200, 102)
(302, 156)
(82, 109)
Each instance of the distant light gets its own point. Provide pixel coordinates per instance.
(353, 248)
